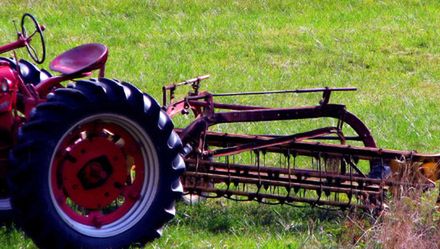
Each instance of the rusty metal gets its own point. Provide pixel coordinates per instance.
(338, 112)
(306, 148)
(195, 83)
(320, 167)
(290, 186)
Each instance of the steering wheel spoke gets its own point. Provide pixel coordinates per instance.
(33, 51)
(35, 32)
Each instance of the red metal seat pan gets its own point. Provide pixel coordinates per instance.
(81, 59)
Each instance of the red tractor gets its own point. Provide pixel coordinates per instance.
(98, 163)
(95, 164)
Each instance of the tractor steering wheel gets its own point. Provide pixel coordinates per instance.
(35, 28)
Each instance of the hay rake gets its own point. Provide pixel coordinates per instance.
(320, 167)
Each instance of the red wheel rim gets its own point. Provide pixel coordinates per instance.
(97, 173)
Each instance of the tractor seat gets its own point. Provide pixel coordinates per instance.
(81, 59)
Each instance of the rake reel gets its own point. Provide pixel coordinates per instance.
(331, 166)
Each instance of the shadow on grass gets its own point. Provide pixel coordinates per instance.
(227, 216)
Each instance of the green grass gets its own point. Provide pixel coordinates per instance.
(390, 50)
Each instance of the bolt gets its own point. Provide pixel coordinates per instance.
(117, 185)
(96, 222)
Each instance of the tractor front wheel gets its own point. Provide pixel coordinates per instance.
(97, 166)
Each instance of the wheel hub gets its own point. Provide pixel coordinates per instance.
(93, 173)
(98, 172)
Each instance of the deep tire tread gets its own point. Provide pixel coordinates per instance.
(62, 109)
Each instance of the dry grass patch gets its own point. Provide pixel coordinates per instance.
(411, 219)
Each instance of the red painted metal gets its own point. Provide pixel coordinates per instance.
(52, 83)
(8, 98)
(92, 171)
(76, 63)
(102, 171)
(81, 59)
(19, 43)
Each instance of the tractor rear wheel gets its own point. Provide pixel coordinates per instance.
(97, 166)
(5, 202)
(5, 205)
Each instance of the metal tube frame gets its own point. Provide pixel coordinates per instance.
(201, 169)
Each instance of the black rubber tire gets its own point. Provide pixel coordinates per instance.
(31, 194)
(6, 217)
(6, 214)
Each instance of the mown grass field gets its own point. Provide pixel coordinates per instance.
(389, 50)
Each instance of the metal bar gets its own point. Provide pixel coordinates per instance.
(19, 43)
(256, 181)
(44, 87)
(302, 175)
(310, 90)
(201, 124)
(282, 199)
(226, 106)
(349, 138)
(367, 153)
(278, 114)
(353, 166)
(282, 140)
(194, 80)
